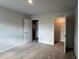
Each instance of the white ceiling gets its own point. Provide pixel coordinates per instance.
(38, 6)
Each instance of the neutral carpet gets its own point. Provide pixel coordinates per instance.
(34, 50)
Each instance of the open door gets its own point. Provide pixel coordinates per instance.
(64, 34)
(27, 30)
(69, 33)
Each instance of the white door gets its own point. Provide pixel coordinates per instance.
(27, 30)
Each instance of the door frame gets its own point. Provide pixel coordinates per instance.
(54, 30)
(32, 29)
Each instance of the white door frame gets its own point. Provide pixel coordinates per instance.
(65, 37)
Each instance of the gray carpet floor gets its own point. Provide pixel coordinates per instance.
(34, 50)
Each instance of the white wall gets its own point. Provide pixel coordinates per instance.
(11, 29)
(76, 32)
(46, 26)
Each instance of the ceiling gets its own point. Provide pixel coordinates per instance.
(38, 6)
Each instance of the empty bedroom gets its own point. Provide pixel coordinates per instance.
(38, 29)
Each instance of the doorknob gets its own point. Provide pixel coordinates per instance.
(65, 35)
(25, 32)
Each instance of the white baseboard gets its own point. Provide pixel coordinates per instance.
(12, 47)
(62, 41)
(46, 43)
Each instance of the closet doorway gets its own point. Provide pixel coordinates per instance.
(35, 30)
(59, 32)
